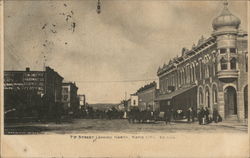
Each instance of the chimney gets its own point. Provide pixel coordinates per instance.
(27, 69)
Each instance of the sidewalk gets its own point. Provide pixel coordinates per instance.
(232, 124)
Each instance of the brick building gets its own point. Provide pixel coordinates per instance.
(134, 100)
(70, 99)
(82, 100)
(213, 74)
(31, 91)
(146, 97)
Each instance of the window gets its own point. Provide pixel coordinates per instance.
(194, 71)
(207, 97)
(232, 50)
(215, 99)
(223, 50)
(214, 71)
(246, 57)
(65, 90)
(166, 85)
(18, 77)
(223, 64)
(191, 74)
(200, 97)
(134, 102)
(233, 63)
(65, 97)
(206, 71)
(200, 69)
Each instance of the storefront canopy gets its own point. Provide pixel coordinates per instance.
(174, 93)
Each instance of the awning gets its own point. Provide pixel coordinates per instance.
(174, 93)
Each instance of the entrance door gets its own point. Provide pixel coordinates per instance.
(230, 101)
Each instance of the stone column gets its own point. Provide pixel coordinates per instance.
(228, 60)
(240, 105)
(218, 66)
(221, 104)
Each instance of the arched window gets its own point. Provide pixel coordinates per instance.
(200, 96)
(233, 63)
(191, 74)
(223, 64)
(184, 76)
(180, 76)
(206, 71)
(246, 61)
(207, 97)
(166, 85)
(200, 69)
(214, 71)
(215, 94)
(194, 72)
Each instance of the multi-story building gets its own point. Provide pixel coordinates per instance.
(134, 100)
(28, 89)
(82, 101)
(43, 82)
(146, 97)
(69, 97)
(213, 74)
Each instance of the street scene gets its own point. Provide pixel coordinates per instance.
(122, 126)
(76, 71)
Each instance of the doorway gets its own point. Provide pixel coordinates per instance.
(230, 98)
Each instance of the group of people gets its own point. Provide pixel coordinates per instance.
(179, 114)
(204, 116)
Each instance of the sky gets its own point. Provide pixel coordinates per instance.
(112, 54)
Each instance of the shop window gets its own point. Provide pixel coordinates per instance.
(223, 50)
(233, 63)
(223, 64)
(232, 50)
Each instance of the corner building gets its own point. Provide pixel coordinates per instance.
(213, 74)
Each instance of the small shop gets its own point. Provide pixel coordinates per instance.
(180, 99)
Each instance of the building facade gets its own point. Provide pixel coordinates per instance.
(32, 91)
(69, 97)
(213, 74)
(82, 101)
(134, 100)
(146, 97)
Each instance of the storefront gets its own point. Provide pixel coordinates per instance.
(180, 99)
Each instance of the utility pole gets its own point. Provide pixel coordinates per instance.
(125, 95)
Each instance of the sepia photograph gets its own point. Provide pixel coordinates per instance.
(125, 70)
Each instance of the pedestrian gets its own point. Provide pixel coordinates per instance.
(206, 113)
(215, 115)
(168, 116)
(192, 114)
(188, 114)
(202, 114)
(199, 114)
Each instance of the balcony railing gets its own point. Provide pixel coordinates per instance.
(227, 74)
